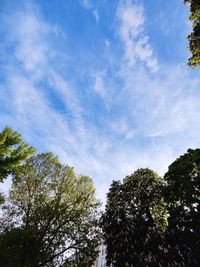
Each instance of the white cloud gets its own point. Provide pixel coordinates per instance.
(123, 128)
(165, 104)
(96, 15)
(34, 51)
(30, 48)
(67, 134)
(103, 87)
(107, 42)
(86, 4)
(99, 85)
(132, 34)
(150, 117)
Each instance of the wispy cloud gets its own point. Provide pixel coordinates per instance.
(30, 77)
(107, 42)
(123, 115)
(132, 33)
(87, 4)
(99, 85)
(96, 14)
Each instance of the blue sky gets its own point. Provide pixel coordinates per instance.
(104, 84)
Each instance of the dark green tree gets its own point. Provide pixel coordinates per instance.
(56, 207)
(135, 221)
(113, 223)
(182, 196)
(194, 37)
(13, 152)
(18, 247)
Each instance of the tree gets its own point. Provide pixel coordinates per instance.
(112, 224)
(135, 221)
(57, 208)
(13, 151)
(194, 37)
(183, 199)
(17, 248)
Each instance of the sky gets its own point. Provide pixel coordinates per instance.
(103, 84)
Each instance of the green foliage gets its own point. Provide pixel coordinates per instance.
(183, 198)
(13, 151)
(135, 220)
(151, 221)
(194, 37)
(18, 248)
(57, 207)
(51, 216)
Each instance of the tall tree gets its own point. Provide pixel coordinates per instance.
(194, 37)
(135, 221)
(56, 208)
(13, 151)
(113, 222)
(183, 198)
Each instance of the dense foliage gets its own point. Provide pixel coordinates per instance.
(183, 198)
(13, 151)
(150, 221)
(194, 37)
(135, 220)
(51, 213)
(51, 216)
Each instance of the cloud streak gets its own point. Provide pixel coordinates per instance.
(120, 117)
(132, 33)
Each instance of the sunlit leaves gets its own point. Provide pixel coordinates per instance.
(194, 37)
(13, 152)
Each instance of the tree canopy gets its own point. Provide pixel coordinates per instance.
(52, 211)
(183, 199)
(51, 217)
(13, 151)
(135, 220)
(154, 221)
(194, 37)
